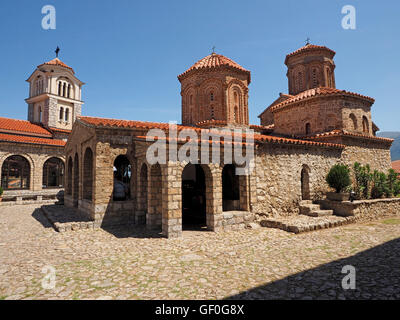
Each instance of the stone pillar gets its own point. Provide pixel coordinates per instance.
(155, 197)
(172, 200)
(214, 198)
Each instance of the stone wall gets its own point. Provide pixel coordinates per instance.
(364, 210)
(278, 177)
(323, 114)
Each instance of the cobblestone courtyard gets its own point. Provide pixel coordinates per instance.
(249, 264)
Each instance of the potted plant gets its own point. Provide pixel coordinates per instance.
(1, 193)
(338, 178)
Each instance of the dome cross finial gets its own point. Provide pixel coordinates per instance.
(57, 51)
(308, 41)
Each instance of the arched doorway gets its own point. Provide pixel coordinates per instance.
(305, 183)
(53, 173)
(193, 197)
(15, 173)
(122, 179)
(230, 189)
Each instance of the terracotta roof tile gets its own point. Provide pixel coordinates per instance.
(60, 130)
(22, 126)
(114, 123)
(336, 133)
(396, 166)
(57, 62)
(31, 140)
(321, 91)
(309, 48)
(214, 61)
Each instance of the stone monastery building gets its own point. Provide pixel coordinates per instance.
(109, 180)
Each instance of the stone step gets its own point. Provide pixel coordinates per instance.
(307, 208)
(320, 213)
(305, 202)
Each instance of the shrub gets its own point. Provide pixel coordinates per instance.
(338, 177)
(392, 180)
(380, 186)
(396, 189)
(1, 191)
(363, 178)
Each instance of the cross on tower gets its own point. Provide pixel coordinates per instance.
(308, 41)
(57, 51)
(213, 49)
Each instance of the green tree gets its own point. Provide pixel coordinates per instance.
(338, 177)
(379, 185)
(363, 178)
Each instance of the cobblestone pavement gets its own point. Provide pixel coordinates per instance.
(246, 264)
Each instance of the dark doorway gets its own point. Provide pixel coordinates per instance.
(193, 197)
(305, 183)
(230, 189)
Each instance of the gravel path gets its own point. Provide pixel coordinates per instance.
(248, 264)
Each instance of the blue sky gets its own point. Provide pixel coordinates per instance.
(129, 53)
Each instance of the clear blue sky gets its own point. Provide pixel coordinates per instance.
(130, 52)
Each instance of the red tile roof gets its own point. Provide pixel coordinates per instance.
(22, 126)
(113, 123)
(214, 61)
(60, 130)
(317, 92)
(336, 133)
(309, 48)
(396, 166)
(57, 62)
(31, 140)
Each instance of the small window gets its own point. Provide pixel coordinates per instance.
(59, 88)
(308, 128)
(66, 114)
(61, 113)
(365, 125)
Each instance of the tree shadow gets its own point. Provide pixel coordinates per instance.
(377, 277)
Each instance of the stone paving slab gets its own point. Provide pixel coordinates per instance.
(131, 263)
(303, 223)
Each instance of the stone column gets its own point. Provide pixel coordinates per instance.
(172, 200)
(214, 211)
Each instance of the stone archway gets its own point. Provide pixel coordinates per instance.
(194, 198)
(305, 183)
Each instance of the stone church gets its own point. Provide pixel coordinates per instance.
(302, 134)
(103, 163)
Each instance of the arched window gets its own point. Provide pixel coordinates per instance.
(88, 174)
(122, 178)
(66, 114)
(64, 89)
(40, 114)
(61, 113)
(354, 121)
(69, 91)
(308, 128)
(314, 76)
(53, 173)
(365, 125)
(59, 88)
(15, 173)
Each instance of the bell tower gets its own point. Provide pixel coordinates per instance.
(310, 67)
(55, 95)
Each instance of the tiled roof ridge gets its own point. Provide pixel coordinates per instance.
(23, 127)
(31, 140)
(214, 60)
(320, 91)
(342, 132)
(57, 62)
(309, 47)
